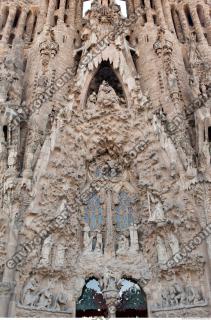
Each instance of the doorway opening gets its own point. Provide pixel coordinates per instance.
(133, 302)
(91, 303)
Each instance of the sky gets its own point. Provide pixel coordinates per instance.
(87, 5)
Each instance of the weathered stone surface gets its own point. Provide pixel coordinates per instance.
(105, 155)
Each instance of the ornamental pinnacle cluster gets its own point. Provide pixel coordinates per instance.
(105, 158)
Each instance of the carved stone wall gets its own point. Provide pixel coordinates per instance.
(105, 154)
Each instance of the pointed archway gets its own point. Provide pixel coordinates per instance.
(132, 302)
(91, 302)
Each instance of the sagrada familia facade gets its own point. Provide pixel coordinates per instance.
(105, 158)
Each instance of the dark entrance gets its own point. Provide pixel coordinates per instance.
(132, 301)
(91, 303)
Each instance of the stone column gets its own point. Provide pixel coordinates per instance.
(21, 24)
(167, 14)
(79, 12)
(130, 7)
(3, 11)
(197, 24)
(178, 28)
(30, 26)
(71, 14)
(42, 16)
(159, 12)
(184, 24)
(148, 11)
(9, 271)
(62, 10)
(50, 15)
(208, 24)
(9, 24)
(136, 4)
(109, 246)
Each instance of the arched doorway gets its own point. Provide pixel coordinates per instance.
(132, 302)
(91, 303)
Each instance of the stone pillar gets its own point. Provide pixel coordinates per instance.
(136, 4)
(109, 246)
(167, 14)
(42, 15)
(160, 15)
(50, 15)
(62, 10)
(9, 271)
(3, 11)
(197, 24)
(111, 298)
(130, 7)
(21, 24)
(29, 27)
(71, 14)
(184, 23)
(79, 12)
(178, 28)
(9, 23)
(208, 24)
(148, 11)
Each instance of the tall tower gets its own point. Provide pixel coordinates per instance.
(105, 158)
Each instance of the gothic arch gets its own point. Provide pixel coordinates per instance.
(91, 303)
(91, 75)
(132, 301)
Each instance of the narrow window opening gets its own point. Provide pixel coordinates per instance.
(65, 18)
(5, 131)
(17, 16)
(154, 19)
(57, 4)
(55, 20)
(67, 4)
(145, 18)
(188, 16)
(142, 4)
(209, 134)
(11, 38)
(152, 4)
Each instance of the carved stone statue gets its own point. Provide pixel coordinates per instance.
(45, 299)
(123, 245)
(195, 85)
(173, 243)
(59, 258)
(29, 295)
(134, 243)
(157, 213)
(161, 251)
(87, 239)
(99, 243)
(61, 302)
(193, 295)
(109, 280)
(46, 252)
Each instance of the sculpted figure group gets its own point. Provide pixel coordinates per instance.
(34, 296)
(179, 296)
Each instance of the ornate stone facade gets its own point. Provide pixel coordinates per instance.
(105, 154)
